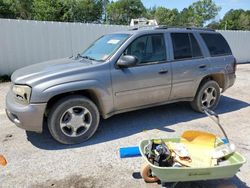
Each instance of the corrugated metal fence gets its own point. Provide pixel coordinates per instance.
(239, 42)
(25, 42)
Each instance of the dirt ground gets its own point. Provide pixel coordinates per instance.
(36, 160)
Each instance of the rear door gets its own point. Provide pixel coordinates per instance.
(188, 65)
(221, 57)
(148, 82)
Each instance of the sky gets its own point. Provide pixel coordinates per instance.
(226, 5)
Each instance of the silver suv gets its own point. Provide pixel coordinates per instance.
(121, 72)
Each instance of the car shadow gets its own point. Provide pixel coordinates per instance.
(127, 124)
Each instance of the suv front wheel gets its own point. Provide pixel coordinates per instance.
(207, 96)
(73, 119)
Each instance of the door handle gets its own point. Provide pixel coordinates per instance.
(163, 71)
(202, 66)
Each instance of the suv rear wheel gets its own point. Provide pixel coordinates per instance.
(207, 96)
(73, 120)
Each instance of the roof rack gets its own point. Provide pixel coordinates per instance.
(172, 27)
(187, 28)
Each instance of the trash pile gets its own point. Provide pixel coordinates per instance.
(193, 149)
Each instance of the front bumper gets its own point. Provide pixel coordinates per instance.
(28, 117)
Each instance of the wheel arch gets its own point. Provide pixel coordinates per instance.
(90, 94)
(217, 77)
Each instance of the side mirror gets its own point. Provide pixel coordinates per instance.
(127, 61)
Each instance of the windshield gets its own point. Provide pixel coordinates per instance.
(104, 47)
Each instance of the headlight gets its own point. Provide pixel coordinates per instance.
(22, 93)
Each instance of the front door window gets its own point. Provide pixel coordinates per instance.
(148, 49)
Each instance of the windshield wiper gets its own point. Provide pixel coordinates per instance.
(86, 57)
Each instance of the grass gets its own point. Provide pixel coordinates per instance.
(4, 78)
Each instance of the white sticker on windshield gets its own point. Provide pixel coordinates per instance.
(113, 41)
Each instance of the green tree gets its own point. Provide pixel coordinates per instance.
(5, 10)
(245, 20)
(166, 16)
(64, 10)
(68, 10)
(236, 20)
(104, 9)
(45, 10)
(198, 13)
(88, 10)
(16, 9)
(188, 18)
(22, 9)
(122, 11)
(150, 13)
(214, 25)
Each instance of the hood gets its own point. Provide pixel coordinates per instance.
(42, 72)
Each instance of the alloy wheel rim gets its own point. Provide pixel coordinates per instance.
(209, 97)
(75, 121)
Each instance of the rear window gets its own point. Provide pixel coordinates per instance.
(216, 44)
(185, 46)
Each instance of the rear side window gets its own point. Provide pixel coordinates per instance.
(185, 46)
(216, 44)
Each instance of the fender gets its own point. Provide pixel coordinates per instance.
(104, 94)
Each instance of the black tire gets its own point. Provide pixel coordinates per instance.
(197, 104)
(59, 109)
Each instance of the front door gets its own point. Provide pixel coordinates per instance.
(149, 82)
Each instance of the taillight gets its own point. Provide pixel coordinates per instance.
(234, 65)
